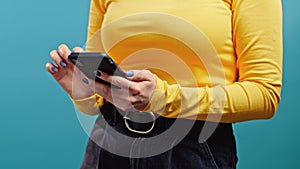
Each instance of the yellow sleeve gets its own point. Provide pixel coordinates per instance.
(89, 105)
(92, 104)
(257, 36)
(97, 11)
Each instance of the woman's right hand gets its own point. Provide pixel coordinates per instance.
(66, 74)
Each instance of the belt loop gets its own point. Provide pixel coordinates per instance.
(109, 111)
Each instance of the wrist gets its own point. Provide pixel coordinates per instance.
(80, 94)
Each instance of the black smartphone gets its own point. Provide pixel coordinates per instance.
(89, 62)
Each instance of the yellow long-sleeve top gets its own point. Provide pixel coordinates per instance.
(214, 59)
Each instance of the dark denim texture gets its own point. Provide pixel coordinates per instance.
(218, 152)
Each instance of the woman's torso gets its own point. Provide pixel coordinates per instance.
(185, 42)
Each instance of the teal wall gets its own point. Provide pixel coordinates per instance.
(38, 126)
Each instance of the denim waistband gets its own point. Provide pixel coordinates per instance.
(114, 118)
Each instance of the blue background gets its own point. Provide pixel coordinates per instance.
(39, 128)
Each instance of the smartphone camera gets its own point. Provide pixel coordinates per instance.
(110, 61)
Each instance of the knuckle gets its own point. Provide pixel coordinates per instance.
(52, 51)
(61, 46)
(63, 51)
(105, 90)
(77, 49)
(47, 66)
(134, 88)
(133, 100)
(52, 54)
(146, 71)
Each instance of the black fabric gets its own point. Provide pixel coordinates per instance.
(218, 152)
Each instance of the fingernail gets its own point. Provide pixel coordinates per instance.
(97, 73)
(63, 64)
(54, 69)
(85, 80)
(129, 73)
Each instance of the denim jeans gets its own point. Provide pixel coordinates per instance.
(217, 152)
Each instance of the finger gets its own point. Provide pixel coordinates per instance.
(134, 100)
(77, 49)
(64, 51)
(120, 98)
(51, 68)
(131, 73)
(121, 82)
(141, 75)
(115, 80)
(57, 59)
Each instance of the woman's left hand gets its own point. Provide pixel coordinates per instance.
(135, 90)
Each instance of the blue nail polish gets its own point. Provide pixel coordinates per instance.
(85, 80)
(54, 69)
(97, 73)
(63, 64)
(129, 73)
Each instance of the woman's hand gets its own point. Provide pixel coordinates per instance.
(134, 93)
(66, 74)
